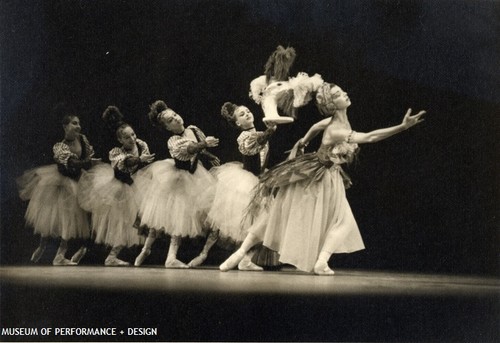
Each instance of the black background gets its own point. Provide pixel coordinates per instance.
(425, 200)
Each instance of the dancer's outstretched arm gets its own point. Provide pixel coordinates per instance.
(376, 135)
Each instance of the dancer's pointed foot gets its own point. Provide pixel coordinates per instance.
(322, 268)
(142, 256)
(76, 258)
(175, 264)
(198, 260)
(60, 260)
(232, 261)
(37, 254)
(112, 261)
(249, 266)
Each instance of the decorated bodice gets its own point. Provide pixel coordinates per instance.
(254, 153)
(178, 148)
(339, 153)
(63, 156)
(118, 157)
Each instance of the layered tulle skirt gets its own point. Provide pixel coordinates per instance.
(308, 213)
(114, 206)
(53, 208)
(232, 195)
(175, 201)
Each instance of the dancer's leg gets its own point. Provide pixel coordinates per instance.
(146, 249)
(247, 264)
(213, 236)
(112, 260)
(238, 255)
(321, 266)
(60, 259)
(39, 251)
(80, 253)
(172, 261)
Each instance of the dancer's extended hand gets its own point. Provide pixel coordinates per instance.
(214, 161)
(211, 142)
(147, 158)
(412, 120)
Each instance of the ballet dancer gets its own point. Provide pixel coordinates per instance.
(309, 219)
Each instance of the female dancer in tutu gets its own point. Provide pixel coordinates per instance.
(174, 203)
(109, 192)
(53, 209)
(310, 218)
(236, 180)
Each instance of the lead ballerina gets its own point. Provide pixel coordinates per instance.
(309, 219)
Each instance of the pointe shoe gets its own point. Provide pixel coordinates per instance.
(232, 261)
(112, 261)
(142, 256)
(322, 268)
(249, 266)
(60, 260)
(198, 260)
(37, 254)
(175, 264)
(79, 255)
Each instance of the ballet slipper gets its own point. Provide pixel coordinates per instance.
(198, 260)
(142, 256)
(322, 268)
(232, 261)
(37, 254)
(249, 266)
(112, 261)
(76, 258)
(175, 264)
(60, 260)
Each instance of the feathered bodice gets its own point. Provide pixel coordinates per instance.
(339, 153)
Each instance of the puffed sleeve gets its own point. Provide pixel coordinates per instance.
(117, 157)
(177, 146)
(248, 143)
(62, 153)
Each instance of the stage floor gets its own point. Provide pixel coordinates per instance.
(286, 281)
(206, 304)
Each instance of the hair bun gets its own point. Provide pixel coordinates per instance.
(227, 111)
(112, 117)
(155, 109)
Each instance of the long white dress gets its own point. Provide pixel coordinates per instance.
(310, 207)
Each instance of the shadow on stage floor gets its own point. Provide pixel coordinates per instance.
(207, 305)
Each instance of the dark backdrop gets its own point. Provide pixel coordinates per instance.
(425, 200)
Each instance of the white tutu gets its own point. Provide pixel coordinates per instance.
(174, 200)
(53, 208)
(113, 205)
(233, 192)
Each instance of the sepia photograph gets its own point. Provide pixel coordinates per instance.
(249, 170)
